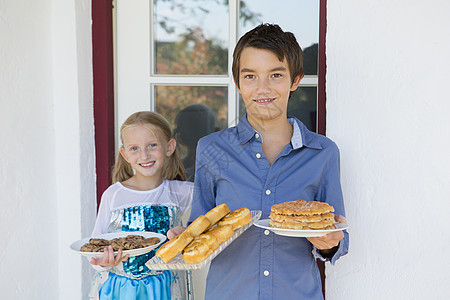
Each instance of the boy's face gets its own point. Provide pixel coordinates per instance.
(265, 84)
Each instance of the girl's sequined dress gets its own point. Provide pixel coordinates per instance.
(156, 210)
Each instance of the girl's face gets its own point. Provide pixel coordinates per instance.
(146, 150)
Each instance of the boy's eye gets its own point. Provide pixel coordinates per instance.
(152, 145)
(133, 148)
(276, 75)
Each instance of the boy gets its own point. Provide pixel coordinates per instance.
(268, 159)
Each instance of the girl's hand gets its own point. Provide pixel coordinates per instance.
(175, 231)
(331, 239)
(109, 260)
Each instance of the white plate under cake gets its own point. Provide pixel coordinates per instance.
(264, 224)
(76, 246)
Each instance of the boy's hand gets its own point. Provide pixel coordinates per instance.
(331, 239)
(108, 259)
(175, 231)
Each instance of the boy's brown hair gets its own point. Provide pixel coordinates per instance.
(271, 37)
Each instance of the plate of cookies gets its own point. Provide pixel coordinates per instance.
(203, 239)
(132, 243)
(301, 218)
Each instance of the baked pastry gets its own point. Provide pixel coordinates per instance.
(203, 245)
(92, 248)
(99, 242)
(128, 242)
(198, 226)
(171, 248)
(209, 239)
(195, 244)
(237, 218)
(196, 251)
(221, 232)
(149, 241)
(301, 214)
(217, 213)
(174, 246)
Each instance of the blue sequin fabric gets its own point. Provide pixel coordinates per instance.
(144, 218)
(154, 218)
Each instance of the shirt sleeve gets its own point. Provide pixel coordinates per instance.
(102, 221)
(204, 183)
(104, 213)
(330, 191)
(342, 250)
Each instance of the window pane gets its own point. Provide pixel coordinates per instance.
(301, 17)
(190, 37)
(302, 105)
(193, 112)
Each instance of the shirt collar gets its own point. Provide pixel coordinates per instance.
(301, 136)
(245, 130)
(296, 140)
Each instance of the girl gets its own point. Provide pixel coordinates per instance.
(149, 194)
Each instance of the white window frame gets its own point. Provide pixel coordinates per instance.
(146, 48)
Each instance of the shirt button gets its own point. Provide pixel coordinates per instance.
(258, 155)
(266, 273)
(268, 192)
(266, 232)
(256, 135)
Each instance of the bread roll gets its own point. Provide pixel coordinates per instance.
(209, 239)
(221, 232)
(217, 213)
(198, 226)
(174, 246)
(196, 251)
(237, 218)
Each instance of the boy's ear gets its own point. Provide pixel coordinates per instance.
(296, 82)
(171, 146)
(124, 155)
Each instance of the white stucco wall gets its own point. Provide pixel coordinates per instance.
(27, 147)
(387, 108)
(47, 174)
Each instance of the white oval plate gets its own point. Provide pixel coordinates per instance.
(76, 246)
(297, 232)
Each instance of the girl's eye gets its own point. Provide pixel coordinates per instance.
(249, 76)
(133, 148)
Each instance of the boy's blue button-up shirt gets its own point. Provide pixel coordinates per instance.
(231, 168)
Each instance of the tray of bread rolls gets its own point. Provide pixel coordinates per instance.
(203, 239)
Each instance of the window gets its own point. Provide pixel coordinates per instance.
(174, 57)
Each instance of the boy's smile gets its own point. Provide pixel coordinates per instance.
(265, 84)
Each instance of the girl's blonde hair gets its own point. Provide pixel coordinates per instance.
(173, 168)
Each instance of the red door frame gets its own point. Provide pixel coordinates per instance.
(103, 75)
(321, 96)
(103, 71)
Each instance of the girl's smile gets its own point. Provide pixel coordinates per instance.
(146, 165)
